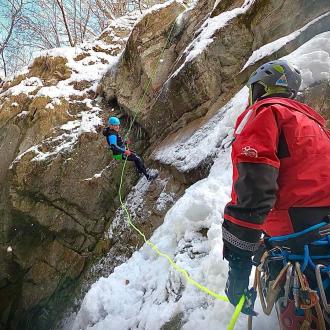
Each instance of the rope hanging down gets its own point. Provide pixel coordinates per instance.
(153, 246)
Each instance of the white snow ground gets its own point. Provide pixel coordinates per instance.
(146, 292)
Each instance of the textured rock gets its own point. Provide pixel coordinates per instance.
(270, 20)
(174, 101)
(318, 96)
(54, 210)
(144, 46)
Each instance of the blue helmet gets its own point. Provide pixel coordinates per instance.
(113, 121)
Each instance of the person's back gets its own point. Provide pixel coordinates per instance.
(115, 142)
(281, 187)
(292, 138)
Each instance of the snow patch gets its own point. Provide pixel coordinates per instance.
(163, 200)
(66, 141)
(188, 153)
(274, 46)
(313, 60)
(207, 30)
(23, 114)
(97, 175)
(26, 86)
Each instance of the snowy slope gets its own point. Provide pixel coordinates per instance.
(146, 292)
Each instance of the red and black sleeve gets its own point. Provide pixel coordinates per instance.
(255, 172)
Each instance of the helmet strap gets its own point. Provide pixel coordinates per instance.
(276, 90)
(267, 91)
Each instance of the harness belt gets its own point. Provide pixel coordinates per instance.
(117, 157)
(296, 242)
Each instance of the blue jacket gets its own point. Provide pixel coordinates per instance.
(115, 141)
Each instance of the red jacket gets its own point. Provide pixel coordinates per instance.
(281, 171)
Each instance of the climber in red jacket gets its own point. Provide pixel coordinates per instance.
(281, 174)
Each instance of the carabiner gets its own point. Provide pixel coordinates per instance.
(318, 276)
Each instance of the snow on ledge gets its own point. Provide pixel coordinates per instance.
(67, 140)
(313, 61)
(188, 153)
(274, 46)
(207, 30)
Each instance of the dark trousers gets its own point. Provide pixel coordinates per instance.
(137, 161)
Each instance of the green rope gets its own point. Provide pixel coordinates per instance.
(153, 246)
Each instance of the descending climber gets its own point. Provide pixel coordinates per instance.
(119, 147)
(281, 188)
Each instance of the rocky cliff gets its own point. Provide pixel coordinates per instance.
(171, 70)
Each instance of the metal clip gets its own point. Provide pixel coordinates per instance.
(287, 285)
(295, 289)
(325, 303)
(307, 297)
(274, 288)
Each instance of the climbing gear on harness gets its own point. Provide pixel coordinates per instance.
(320, 285)
(297, 304)
(269, 296)
(306, 298)
(297, 241)
(113, 121)
(288, 279)
(302, 299)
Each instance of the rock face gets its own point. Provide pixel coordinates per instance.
(195, 78)
(59, 191)
(319, 96)
(53, 206)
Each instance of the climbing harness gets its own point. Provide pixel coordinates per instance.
(298, 306)
(117, 157)
(185, 274)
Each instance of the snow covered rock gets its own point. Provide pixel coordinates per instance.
(204, 60)
(53, 207)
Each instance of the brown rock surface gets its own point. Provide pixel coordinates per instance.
(174, 101)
